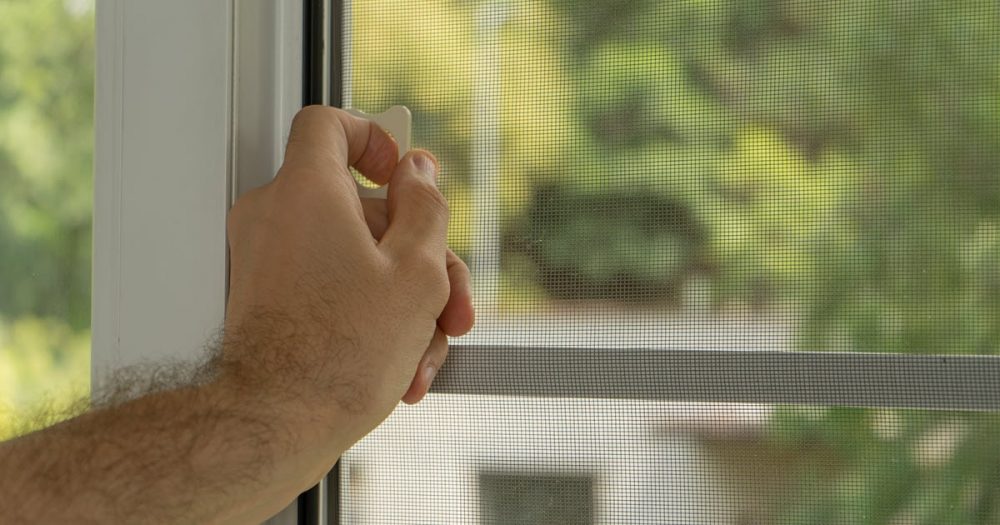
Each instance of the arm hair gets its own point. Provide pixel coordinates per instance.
(164, 444)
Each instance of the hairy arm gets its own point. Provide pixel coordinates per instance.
(337, 310)
(221, 451)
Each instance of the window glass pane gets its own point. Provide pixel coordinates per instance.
(470, 460)
(701, 175)
(46, 152)
(782, 173)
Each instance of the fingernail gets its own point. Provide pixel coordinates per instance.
(428, 374)
(425, 163)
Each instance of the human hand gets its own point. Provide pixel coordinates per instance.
(335, 303)
(458, 316)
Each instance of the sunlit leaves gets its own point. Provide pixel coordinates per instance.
(46, 156)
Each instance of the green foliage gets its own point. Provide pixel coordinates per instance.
(46, 154)
(617, 221)
(44, 368)
(870, 466)
(838, 160)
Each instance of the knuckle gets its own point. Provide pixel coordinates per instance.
(308, 121)
(431, 200)
(427, 275)
(311, 113)
(303, 119)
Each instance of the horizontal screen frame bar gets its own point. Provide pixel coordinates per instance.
(936, 382)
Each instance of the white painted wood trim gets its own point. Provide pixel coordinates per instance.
(172, 78)
(163, 135)
(268, 87)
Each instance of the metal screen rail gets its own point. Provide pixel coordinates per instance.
(802, 378)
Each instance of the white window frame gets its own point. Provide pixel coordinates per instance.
(194, 99)
(189, 93)
(162, 162)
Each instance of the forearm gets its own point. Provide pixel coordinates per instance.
(198, 454)
(327, 329)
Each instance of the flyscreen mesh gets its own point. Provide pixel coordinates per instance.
(712, 175)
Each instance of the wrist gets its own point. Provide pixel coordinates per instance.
(291, 406)
(295, 372)
(300, 435)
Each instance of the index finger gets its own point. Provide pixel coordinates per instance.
(325, 141)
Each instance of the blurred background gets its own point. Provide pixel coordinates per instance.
(741, 174)
(46, 197)
(712, 174)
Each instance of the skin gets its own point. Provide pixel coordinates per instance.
(338, 309)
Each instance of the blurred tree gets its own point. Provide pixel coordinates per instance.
(839, 161)
(46, 152)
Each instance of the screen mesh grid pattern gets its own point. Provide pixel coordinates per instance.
(638, 176)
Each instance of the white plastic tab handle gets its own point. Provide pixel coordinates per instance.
(397, 120)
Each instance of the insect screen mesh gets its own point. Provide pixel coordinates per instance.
(698, 176)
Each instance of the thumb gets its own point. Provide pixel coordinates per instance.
(418, 212)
